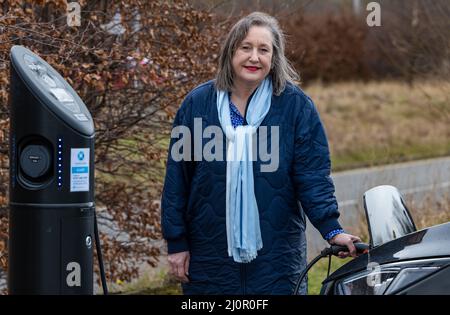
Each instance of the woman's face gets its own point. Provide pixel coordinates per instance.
(253, 57)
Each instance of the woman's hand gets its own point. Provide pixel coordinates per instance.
(179, 265)
(345, 239)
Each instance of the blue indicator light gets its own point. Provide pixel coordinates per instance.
(59, 156)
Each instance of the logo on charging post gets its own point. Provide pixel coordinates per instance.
(79, 169)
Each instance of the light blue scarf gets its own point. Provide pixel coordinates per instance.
(242, 217)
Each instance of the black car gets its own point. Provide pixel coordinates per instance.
(400, 260)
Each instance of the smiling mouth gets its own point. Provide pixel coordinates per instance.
(252, 69)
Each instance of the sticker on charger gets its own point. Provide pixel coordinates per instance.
(79, 169)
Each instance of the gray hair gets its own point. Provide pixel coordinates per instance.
(281, 70)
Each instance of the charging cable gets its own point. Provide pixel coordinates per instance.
(99, 256)
(361, 248)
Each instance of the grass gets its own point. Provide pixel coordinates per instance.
(318, 273)
(428, 211)
(383, 154)
(150, 283)
(380, 123)
(153, 281)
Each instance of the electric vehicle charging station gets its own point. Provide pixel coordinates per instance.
(52, 208)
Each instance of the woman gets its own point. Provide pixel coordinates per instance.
(231, 225)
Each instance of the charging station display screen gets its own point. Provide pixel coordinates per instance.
(66, 99)
(55, 88)
(61, 95)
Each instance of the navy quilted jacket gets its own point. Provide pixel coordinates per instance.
(193, 201)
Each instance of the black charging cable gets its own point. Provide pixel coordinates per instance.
(361, 248)
(99, 256)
